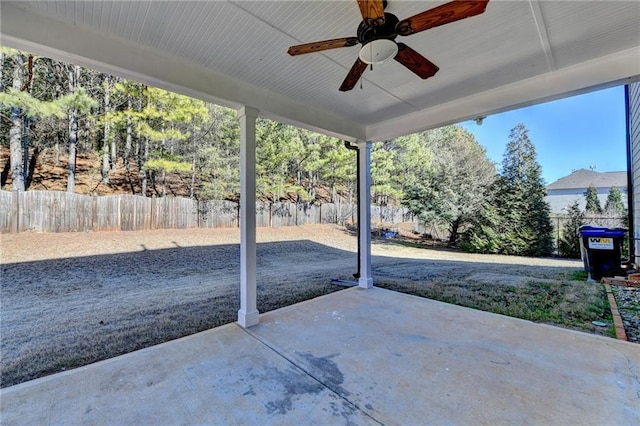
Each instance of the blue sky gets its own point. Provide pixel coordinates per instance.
(570, 133)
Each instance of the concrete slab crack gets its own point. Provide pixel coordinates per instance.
(632, 369)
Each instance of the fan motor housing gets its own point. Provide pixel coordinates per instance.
(367, 33)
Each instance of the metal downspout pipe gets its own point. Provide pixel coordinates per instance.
(630, 206)
(348, 145)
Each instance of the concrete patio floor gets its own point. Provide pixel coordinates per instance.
(352, 357)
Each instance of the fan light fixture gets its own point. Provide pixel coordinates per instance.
(378, 31)
(378, 51)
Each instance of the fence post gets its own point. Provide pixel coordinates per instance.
(16, 212)
(94, 213)
(119, 215)
(152, 223)
(353, 212)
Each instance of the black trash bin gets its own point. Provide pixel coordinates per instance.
(602, 250)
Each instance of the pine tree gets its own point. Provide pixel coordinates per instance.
(383, 171)
(569, 243)
(339, 171)
(217, 160)
(614, 204)
(520, 199)
(166, 120)
(593, 202)
(77, 102)
(518, 217)
(484, 234)
(21, 106)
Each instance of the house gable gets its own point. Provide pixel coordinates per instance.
(566, 190)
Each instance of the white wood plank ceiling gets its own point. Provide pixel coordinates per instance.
(234, 52)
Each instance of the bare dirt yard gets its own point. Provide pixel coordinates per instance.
(72, 299)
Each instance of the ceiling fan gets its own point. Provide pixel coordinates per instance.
(377, 33)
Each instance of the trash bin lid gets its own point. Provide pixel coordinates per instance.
(601, 231)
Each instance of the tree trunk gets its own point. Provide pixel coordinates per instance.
(454, 228)
(313, 182)
(127, 143)
(74, 77)
(299, 182)
(164, 183)
(144, 184)
(193, 177)
(114, 152)
(4, 175)
(163, 176)
(1, 70)
(153, 182)
(56, 148)
(32, 167)
(136, 154)
(15, 132)
(105, 164)
(73, 140)
(193, 168)
(15, 141)
(59, 134)
(107, 130)
(25, 150)
(144, 173)
(136, 151)
(84, 135)
(25, 130)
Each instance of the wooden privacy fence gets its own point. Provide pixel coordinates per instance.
(54, 211)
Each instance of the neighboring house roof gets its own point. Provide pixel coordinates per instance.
(583, 178)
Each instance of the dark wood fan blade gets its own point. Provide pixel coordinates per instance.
(417, 63)
(449, 12)
(319, 46)
(372, 12)
(354, 75)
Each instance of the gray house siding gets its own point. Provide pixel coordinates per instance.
(560, 199)
(634, 134)
(573, 187)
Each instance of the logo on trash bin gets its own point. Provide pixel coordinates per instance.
(599, 243)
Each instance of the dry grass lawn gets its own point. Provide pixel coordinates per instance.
(73, 299)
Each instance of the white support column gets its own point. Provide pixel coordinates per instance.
(248, 313)
(364, 158)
